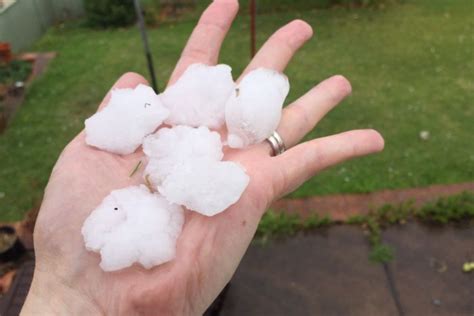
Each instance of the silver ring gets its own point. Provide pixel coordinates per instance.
(276, 142)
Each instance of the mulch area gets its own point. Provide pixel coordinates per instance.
(340, 207)
(16, 276)
(13, 300)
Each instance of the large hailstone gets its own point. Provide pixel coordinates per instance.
(130, 115)
(205, 186)
(199, 96)
(253, 111)
(169, 148)
(133, 225)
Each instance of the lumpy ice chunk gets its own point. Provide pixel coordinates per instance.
(206, 187)
(130, 115)
(198, 97)
(133, 225)
(181, 141)
(254, 109)
(169, 148)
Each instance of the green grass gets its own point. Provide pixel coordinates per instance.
(453, 208)
(411, 67)
(283, 224)
(381, 253)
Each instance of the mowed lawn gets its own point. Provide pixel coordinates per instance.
(411, 67)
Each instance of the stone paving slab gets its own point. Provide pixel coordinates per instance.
(427, 269)
(326, 272)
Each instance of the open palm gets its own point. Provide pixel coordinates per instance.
(68, 279)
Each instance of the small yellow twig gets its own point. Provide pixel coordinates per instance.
(135, 169)
(148, 183)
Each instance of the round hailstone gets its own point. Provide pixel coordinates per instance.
(130, 115)
(253, 111)
(169, 148)
(133, 225)
(199, 96)
(204, 186)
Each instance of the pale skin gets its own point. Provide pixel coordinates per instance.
(68, 279)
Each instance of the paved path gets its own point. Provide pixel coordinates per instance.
(427, 270)
(327, 272)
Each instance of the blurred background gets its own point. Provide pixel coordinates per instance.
(411, 64)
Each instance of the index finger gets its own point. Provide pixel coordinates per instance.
(278, 50)
(127, 80)
(205, 42)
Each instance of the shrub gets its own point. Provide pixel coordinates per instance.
(109, 13)
(16, 70)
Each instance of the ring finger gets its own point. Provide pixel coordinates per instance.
(300, 117)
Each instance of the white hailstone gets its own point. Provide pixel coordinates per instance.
(198, 97)
(130, 115)
(169, 148)
(253, 111)
(424, 135)
(133, 225)
(207, 187)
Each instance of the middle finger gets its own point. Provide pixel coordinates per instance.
(278, 50)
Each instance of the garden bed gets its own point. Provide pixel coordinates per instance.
(15, 76)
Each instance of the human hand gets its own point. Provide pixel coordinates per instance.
(68, 279)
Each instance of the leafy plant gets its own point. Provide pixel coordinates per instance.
(381, 253)
(284, 224)
(356, 220)
(452, 208)
(16, 70)
(274, 223)
(315, 221)
(394, 214)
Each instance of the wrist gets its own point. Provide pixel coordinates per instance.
(48, 296)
